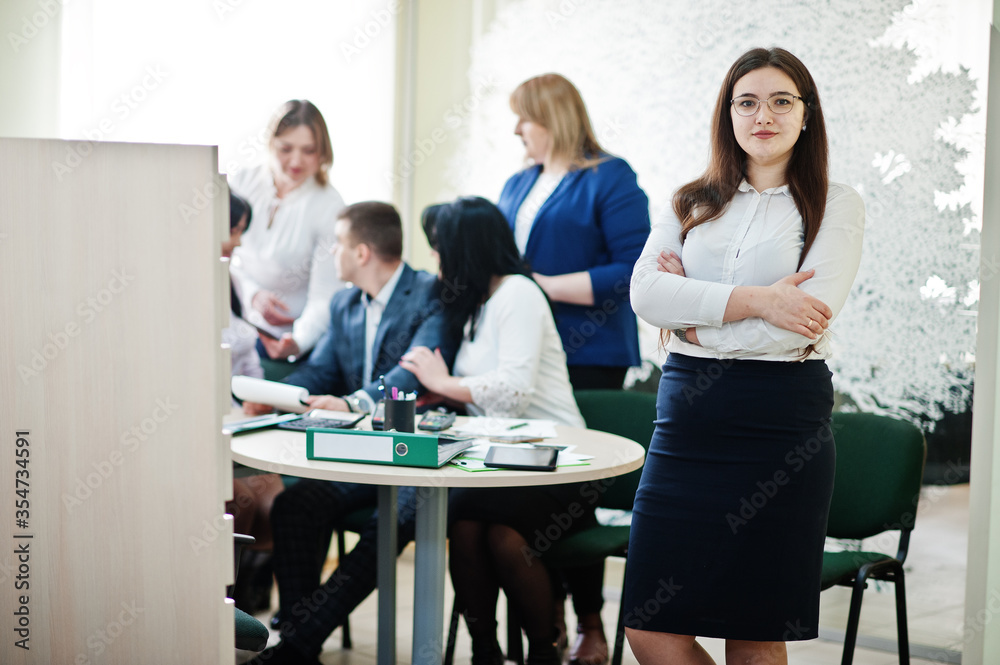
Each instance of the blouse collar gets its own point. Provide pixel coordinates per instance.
(747, 187)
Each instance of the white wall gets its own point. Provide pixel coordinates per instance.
(29, 68)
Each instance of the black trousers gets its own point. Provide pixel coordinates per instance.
(304, 518)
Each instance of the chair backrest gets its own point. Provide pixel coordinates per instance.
(880, 466)
(627, 413)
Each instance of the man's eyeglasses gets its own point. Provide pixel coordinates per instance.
(747, 105)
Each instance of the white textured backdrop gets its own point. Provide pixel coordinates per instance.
(900, 83)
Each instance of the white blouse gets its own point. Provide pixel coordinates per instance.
(291, 258)
(516, 366)
(755, 242)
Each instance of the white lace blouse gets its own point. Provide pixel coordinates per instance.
(516, 366)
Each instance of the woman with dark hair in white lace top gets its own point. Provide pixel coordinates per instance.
(510, 363)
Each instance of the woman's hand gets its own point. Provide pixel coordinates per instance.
(256, 409)
(328, 402)
(272, 308)
(789, 307)
(428, 366)
(669, 262)
(280, 349)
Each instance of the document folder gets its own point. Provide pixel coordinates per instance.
(399, 448)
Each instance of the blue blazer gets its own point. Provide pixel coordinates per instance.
(412, 318)
(596, 220)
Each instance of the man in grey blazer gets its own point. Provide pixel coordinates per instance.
(389, 309)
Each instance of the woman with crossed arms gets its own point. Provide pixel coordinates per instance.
(746, 271)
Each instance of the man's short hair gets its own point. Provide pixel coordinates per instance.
(377, 225)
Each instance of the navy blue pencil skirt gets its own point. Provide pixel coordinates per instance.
(730, 515)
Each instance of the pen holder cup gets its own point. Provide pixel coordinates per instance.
(400, 415)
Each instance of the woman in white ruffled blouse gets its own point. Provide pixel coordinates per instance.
(284, 267)
(510, 363)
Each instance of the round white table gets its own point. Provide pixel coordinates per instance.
(284, 452)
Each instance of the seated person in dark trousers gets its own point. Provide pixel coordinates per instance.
(390, 310)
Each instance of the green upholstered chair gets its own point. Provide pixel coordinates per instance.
(880, 465)
(630, 414)
(251, 635)
(276, 370)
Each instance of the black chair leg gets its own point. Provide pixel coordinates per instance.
(616, 659)
(854, 617)
(449, 649)
(345, 638)
(902, 634)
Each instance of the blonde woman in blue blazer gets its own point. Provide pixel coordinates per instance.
(580, 219)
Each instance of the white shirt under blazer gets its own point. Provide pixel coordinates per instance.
(755, 242)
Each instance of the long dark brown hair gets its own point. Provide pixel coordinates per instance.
(474, 243)
(706, 198)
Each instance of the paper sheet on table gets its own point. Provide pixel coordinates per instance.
(513, 428)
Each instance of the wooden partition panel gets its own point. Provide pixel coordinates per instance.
(113, 470)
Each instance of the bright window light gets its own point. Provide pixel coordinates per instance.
(212, 72)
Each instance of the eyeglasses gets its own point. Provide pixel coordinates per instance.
(747, 105)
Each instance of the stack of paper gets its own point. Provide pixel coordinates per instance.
(507, 429)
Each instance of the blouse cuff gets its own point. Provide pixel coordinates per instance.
(708, 336)
(305, 340)
(713, 305)
(495, 396)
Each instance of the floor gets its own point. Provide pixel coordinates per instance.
(935, 579)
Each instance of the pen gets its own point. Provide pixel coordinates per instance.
(518, 425)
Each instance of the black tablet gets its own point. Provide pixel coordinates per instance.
(538, 458)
